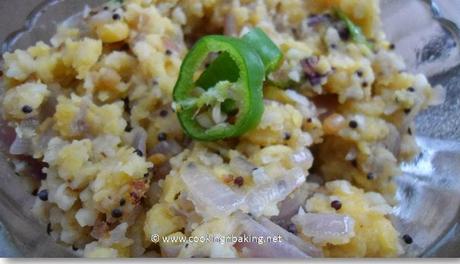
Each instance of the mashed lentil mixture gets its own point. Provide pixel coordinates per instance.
(92, 110)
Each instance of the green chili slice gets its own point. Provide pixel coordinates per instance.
(267, 50)
(238, 69)
(355, 31)
(223, 67)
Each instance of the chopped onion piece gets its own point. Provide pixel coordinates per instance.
(273, 192)
(139, 140)
(335, 229)
(21, 146)
(290, 238)
(290, 206)
(241, 166)
(306, 108)
(285, 248)
(303, 158)
(210, 197)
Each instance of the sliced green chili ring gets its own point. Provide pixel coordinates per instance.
(355, 31)
(223, 68)
(267, 50)
(249, 79)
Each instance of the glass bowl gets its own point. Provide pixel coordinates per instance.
(425, 34)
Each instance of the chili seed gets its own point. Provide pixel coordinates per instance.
(164, 113)
(353, 124)
(27, 109)
(139, 152)
(43, 195)
(162, 136)
(116, 213)
(407, 239)
(336, 205)
(239, 181)
(292, 228)
(116, 17)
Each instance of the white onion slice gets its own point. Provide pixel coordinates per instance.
(241, 166)
(306, 108)
(283, 249)
(292, 239)
(273, 192)
(303, 158)
(290, 206)
(210, 197)
(335, 229)
(213, 198)
(21, 146)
